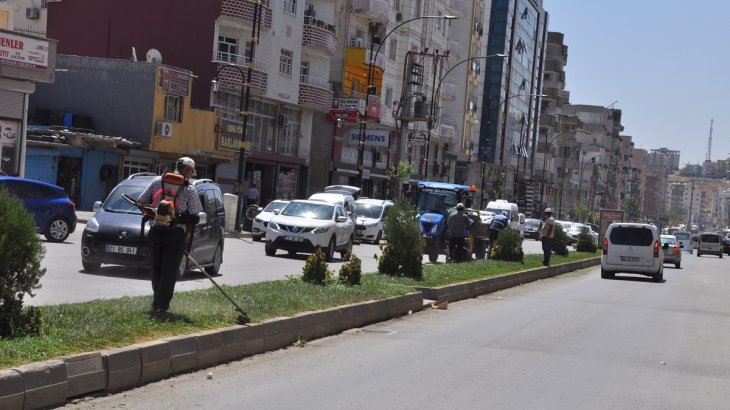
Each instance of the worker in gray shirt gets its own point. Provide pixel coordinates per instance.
(457, 227)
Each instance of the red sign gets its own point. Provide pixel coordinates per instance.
(374, 110)
(342, 115)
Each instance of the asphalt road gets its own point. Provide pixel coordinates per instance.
(571, 342)
(244, 261)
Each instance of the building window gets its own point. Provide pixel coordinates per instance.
(393, 49)
(132, 167)
(227, 49)
(173, 108)
(289, 132)
(290, 6)
(388, 96)
(439, 21)
(285, 61)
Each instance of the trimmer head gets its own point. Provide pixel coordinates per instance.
(243, 319)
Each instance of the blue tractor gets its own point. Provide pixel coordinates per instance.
(434, 202)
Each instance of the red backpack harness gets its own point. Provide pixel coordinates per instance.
(167, 197)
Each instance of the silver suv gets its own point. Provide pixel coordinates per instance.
(632, 248)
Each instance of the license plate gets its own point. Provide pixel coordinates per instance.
(294, 238)
(127, 250)
(629, 258)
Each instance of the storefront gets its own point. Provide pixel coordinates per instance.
(24, 60)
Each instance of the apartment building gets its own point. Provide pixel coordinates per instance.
(665, 157)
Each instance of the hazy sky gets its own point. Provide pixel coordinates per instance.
(666, 62)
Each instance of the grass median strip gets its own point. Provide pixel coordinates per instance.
(104, 324)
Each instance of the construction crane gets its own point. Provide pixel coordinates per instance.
(708, 156)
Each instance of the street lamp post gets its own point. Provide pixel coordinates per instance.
(562, 174)
(370, 90)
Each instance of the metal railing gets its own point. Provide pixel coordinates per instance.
(315, 82)
(238, 59)
(318, 22)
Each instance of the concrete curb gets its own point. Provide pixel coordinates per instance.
(53, 382)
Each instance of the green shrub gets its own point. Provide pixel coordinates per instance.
(403, 252)
(585, 243)
(316, 270)
(351, 271)
(560, 241)
(21, 253)
(508, 247)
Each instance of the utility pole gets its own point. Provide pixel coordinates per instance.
(691, 201)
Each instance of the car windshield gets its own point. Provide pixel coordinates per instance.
(631, 236)
(681, 236)
(309, 210)
(368, 211)
(668, 239)
(710, 238)
(578, 227)
(115, 202)
(532, 223)
(440, 200)
(275, 206)
(496, 211)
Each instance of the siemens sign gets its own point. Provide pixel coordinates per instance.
(373, 138)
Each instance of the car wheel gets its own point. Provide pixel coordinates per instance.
(659, 276)
(721, 256)
(270, 250)
(182, 270)
(677, 265)
(378, 237)
(345, 255)
(90, 266)
(217, 261)
(606, 274)
(330, 251)
(256, 238)
(698, 254)
(57, 230)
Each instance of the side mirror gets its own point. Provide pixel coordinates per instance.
(203, 218)
(97, 206)
(341, 218)
(276, 212)
(681, 246)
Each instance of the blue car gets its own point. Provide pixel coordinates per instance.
(54, 213)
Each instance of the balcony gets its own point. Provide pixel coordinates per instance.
(447, 128)
(315, 93)
(231, 78)
(243, 9)
(320, 34)
(455, 48)
(359, 53)
(373, 9)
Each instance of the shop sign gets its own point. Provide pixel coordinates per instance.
(373, 138)
(229, 136)
(174, 82)
(349, 104)
(23, 51)
(8, 133)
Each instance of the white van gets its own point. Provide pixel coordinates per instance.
(709, 243)
(632, 248)
(513, 213)
(344, 195)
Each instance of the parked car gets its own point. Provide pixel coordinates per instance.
(344, 195)
(709, 243)
(486, 217)
(261, 220)
(632, 248)
(532, 228)
(726, 245)
(684, 240)
(672, 252)
(114, 234)
(575, 229)
(54, 213)
(305, 225)
(371, 215)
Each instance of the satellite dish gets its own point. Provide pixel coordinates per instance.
(154, 56)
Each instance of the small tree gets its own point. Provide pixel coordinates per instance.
(21, 253)
(585, 242)
(397, 174)
(632, 208)
(508, 247)
(403, 252)
(560, 241)
(316, 270)
(351, 271)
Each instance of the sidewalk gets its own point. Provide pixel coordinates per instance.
(83, 216)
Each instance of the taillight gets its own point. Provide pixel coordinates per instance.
(656, 249)
(605, 246)
(676, 249)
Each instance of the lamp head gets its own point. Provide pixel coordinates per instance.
(214, 84)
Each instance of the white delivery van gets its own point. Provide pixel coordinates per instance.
(513, 213)
(344, 195)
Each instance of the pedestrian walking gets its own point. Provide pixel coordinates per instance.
(458, 229)
(547, 234)
(177, 206)
(252, 195)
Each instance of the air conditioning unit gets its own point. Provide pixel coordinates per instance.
(399, 16)
(32, 13)
(164, 129)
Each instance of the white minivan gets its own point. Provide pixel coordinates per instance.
(513, 214)
(632, 248)
(709, 243)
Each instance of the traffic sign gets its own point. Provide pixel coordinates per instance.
(417, 138)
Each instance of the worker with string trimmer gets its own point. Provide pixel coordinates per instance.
(177, 206)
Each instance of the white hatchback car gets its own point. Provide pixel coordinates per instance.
(632, 248)
(371, 215)
(258, 227)
(304, 226)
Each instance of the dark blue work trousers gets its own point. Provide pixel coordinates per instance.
(167, 246)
